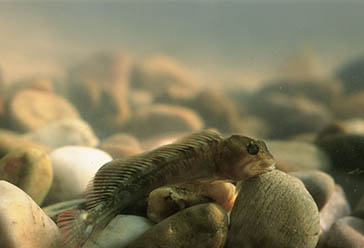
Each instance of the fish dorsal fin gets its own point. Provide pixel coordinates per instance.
(115, 174)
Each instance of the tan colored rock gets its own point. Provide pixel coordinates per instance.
(164, 77)
(162, 118)
(203, 226)
(167, 200)
(10, 141)
(217, 110)
(23, 224)
(32, 109)
(274, 210)
(98, 87)
(64, 132)
(121, 145)
(30, 169)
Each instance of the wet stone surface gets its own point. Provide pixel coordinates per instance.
(273, 210)
(203, 226)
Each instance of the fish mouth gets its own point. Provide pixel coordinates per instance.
(264, 166)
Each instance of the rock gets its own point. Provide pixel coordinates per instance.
(55, 209)
(331, 129)
(354, 126)
(74, 167)
(99, 89)
(35, 83)
(120, 232)
(30, 169)
(10, 141)
(299, 154)
(203, 225)
(45, 107)
(273, 210)
(349, 106)
(160, 140)
(346, 153)
(166, 78)
(121, 145)
(22, 223)
(346, 232)
(359, 208)
(216, 109)
(64, 132)
(319, 184)
(336, 208)
(324, 91)
(167, 200)
(352, 74)
(162, 119)
(289, 115)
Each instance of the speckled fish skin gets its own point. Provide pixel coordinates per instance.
(202, 156)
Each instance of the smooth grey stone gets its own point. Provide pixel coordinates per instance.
(319, 184)
(273, 210)
(348, 232)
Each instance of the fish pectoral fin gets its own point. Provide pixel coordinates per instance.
(74, 228)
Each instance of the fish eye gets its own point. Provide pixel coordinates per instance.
(252, 149)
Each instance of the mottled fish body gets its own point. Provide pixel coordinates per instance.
(202, 156)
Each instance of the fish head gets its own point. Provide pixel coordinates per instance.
(248, 157)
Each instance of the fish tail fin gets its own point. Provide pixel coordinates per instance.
(75, 228)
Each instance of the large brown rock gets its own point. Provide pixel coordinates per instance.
(164, 77)
(274, 210)
(161, 119)
(99, 89)
(32, 109)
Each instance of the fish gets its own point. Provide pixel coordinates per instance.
(204, 156)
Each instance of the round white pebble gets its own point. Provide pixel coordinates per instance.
(74, 167)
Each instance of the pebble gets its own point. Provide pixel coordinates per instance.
(30, 169)
(99, 88)
(336, 208)
(346, 152)
(160, 119)
(352, 74)
(10, 141)
(45, 107)
(290, 115)
(216, 109)
(320, 185)
(346, 233)
(121, 231)
(359, 208)
(23, 224)
(121, 145)
(74, 167)
(167, 200)
(273, 210)
(64, 132)
(324, 91)
(164, 77)
(299, 154)
(349, 106)
(203, 226)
